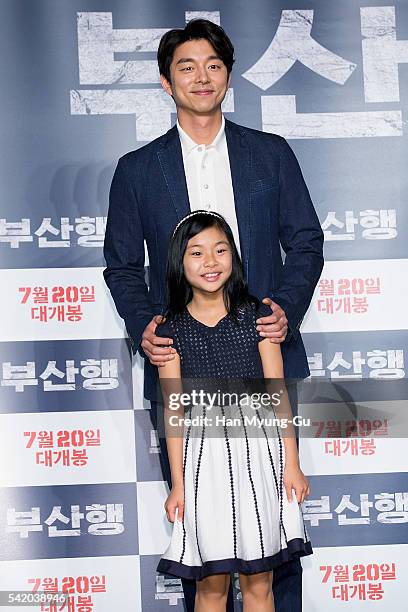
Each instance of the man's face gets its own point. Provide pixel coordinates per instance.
(199, 79)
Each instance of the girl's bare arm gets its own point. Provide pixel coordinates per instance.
(171, 385)
(272, 366)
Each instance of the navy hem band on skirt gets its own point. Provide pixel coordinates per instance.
(296, 548)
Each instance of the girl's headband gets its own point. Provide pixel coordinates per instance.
(192, 214)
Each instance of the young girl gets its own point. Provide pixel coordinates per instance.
(231, 499)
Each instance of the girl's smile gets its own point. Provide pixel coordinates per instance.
(208, 261)
(211, 276)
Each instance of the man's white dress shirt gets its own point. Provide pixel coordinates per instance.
(208, 176)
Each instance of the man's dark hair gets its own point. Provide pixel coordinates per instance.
(178, 291)
(196, 29)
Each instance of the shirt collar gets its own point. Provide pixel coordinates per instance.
(188, 144)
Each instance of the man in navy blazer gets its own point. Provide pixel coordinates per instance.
(149, 195)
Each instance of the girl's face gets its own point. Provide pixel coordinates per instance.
(208, 260)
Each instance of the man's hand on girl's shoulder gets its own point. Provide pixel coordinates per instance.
(158, 350)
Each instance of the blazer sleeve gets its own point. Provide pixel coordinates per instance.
(301, 238)
(124, 255)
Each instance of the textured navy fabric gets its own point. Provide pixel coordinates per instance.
(227, 350)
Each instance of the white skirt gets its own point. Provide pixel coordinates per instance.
(236, 514)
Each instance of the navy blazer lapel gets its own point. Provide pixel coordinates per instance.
(171, 162)
(240, 163)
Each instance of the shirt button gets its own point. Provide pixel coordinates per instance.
(200, 149)
(205, 186)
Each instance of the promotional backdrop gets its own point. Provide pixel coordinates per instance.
(82, 495)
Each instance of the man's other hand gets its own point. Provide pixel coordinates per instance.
(274, 326)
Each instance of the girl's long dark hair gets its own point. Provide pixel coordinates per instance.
(178, 291)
